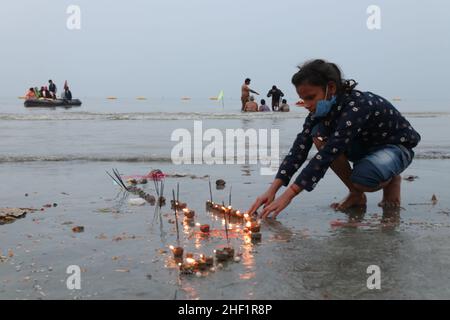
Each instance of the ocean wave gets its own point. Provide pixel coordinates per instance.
(87, 158)
(72, 116)
(145, 116)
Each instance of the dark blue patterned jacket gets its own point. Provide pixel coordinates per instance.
(361, 117)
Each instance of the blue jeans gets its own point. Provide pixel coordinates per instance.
(375, 165)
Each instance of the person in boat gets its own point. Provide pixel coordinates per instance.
(276, 95)
(37, 93)
(251, 106)
(30, 94)
(44, 93)
(52, 89)
(263, 107)
(345, 125)
(284, 107)
(245, 93)
(67, 94)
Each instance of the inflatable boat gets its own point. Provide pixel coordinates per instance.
(52, 103)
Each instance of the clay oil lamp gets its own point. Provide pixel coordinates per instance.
(189, 266)
(162, 201)
(255, 236)
(208, 261)
(221, 255)
(189, 214)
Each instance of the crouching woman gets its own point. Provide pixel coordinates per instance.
(345, 125)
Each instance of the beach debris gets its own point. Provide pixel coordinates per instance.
(220, 182)
(432, 202)
(410, 178)
(78, 229)
(9, 215)
(48, 205)
(122, 270)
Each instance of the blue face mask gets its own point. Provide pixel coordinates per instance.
(324, 106)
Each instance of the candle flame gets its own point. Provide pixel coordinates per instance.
(171, 247)
(198, 224)
(190, 260)
(248, 224)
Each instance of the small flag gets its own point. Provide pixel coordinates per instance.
(220, 96)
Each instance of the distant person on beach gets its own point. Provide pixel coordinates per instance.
(276, 95)
(284, 106)
(345, 125)
(67, 94)
(245, 92)
(251, 106)
(30, 94)
(263, 107)
(52, 89)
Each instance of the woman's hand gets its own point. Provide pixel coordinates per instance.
(266, 198)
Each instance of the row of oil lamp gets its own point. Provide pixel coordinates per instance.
(191, 265)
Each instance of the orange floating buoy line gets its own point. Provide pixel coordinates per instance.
(111, 98)
(141, 98)
(185, 98)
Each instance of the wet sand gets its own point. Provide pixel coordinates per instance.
(309, 253)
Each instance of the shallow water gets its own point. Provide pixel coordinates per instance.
(300, 257)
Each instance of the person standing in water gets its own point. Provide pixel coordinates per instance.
(263, 107)
(30, 94)
(345, 125)
(276, 95)
(245, 93)
(284, 106)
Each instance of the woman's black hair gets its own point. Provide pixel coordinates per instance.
(284, 101)
(263, 101)
(319, 73)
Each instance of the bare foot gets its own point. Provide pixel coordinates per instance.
(354, 199)
(391, 194)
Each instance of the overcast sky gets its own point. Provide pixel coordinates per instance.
(194, 48)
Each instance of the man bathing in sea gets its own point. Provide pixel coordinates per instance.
(345, 125)
(245, 93)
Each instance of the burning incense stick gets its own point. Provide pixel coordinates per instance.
(176, 219)
(210, 190)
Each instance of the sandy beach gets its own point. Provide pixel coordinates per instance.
(310, 252)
